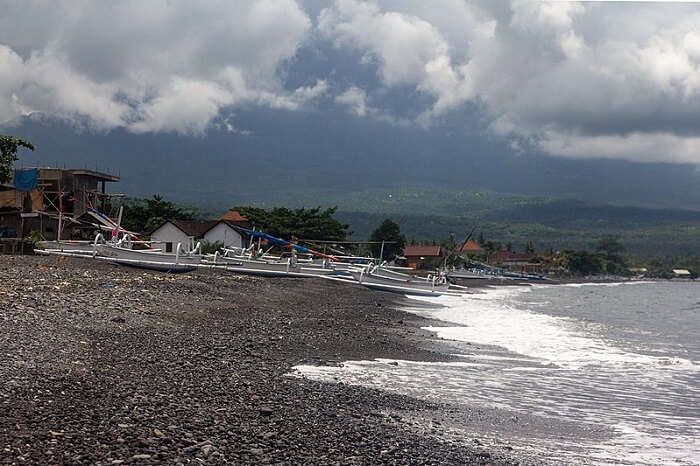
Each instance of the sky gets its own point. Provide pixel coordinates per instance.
(573, 80)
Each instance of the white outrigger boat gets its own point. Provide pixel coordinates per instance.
(69, 246)
(467, 274)
(279, 269)
(145, 259)
(400, 283)
(243, 261)
(153, 259)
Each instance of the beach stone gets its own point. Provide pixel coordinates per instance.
(206, 356)
(207, 450)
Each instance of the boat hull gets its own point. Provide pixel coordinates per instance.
(267, 269)
(465, 275)
(157, 266)
(147, 256)
(411, 286)
(75, 247)
(406, 290)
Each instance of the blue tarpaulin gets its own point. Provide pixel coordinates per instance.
(287, 244)
(26, 180)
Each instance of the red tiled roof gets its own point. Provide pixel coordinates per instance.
(413, 251)
(195, 228)
(471, 246)
(233, 216)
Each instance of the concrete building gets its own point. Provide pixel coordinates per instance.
(185, 232)
(227, 230)
(224, 233)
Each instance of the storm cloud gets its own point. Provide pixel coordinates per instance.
(570, 79)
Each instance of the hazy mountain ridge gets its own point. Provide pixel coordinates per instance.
(670, 239)
(344, 156)
(409, 174)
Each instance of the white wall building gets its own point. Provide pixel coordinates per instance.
(185, 232)
(224, 233)
(189, 232)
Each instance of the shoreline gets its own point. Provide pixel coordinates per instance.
(110, 365)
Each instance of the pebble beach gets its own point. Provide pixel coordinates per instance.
(101, 364)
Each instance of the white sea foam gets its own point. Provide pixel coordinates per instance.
(579, 285)
(554, 366)
(496, 318)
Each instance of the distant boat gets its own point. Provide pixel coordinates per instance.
(466, 274)
(409, 285)
(288, 268)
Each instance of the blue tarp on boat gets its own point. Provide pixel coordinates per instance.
(285, 243)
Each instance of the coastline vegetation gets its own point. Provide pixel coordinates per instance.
(312, 224)
(581, 252)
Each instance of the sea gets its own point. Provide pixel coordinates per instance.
(587, 373)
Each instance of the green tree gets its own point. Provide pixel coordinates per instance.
(530, 247)
(614, 254)
(145, 215)
(313, 224)
(8, 154)
(211, 248)
(492, 246)
(612, 249)
(388, 231)
(583, 262)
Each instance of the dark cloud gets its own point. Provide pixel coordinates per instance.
(589, 79)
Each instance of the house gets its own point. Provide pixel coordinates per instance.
(423, 257)
(501, 257)
(185, 232)
(471, 248)
(682, 273)
(518, 261)
(33, 201)
(227, 230)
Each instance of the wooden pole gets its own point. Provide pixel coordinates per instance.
(60, 212)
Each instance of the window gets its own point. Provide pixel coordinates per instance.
(168, 247)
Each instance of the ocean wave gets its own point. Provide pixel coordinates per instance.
(495, 318)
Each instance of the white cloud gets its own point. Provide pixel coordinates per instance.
(588, 79)
(355, 99)
(641, 147)
(408, 49)
(311, 92)
(574, 79)
(161, 65)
